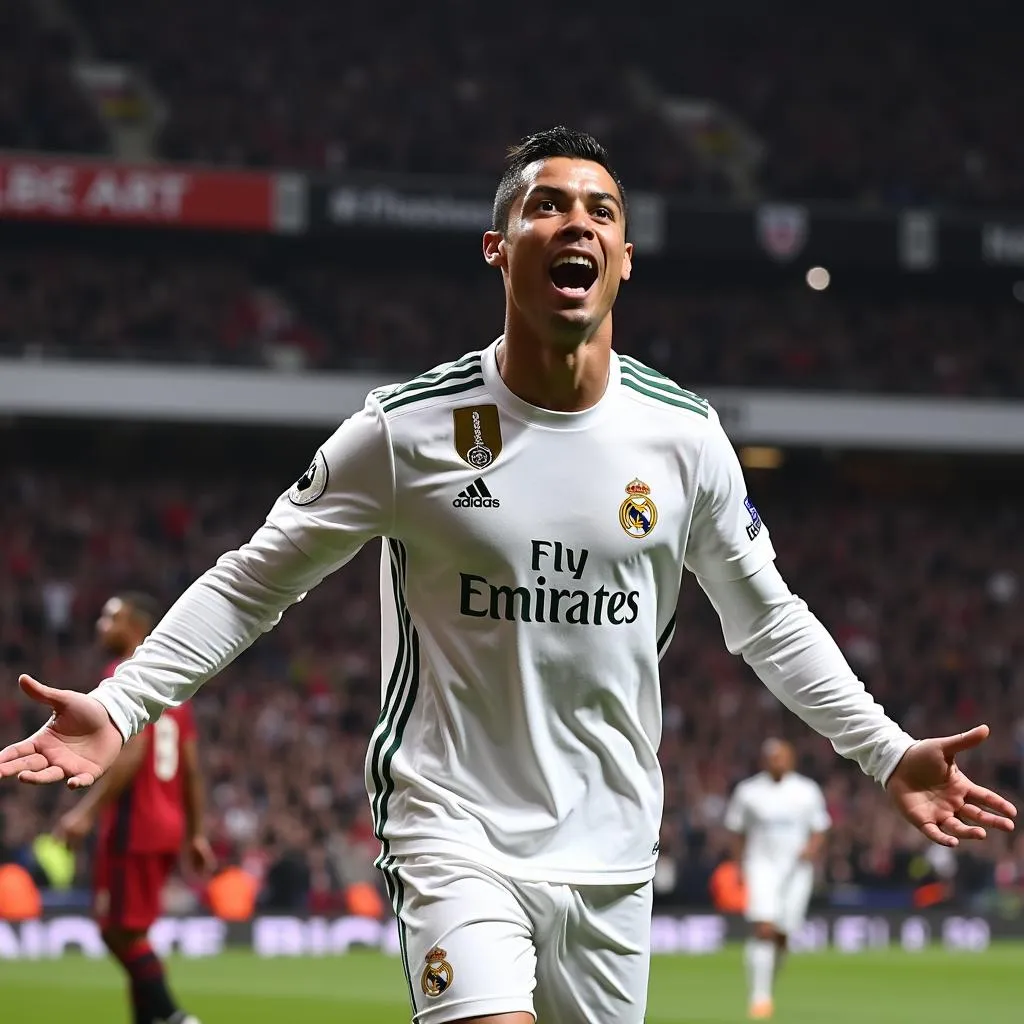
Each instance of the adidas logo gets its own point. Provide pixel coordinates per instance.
(475, 495)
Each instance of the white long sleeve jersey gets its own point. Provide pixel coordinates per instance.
(530, 569)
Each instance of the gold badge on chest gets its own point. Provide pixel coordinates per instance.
(477, 434)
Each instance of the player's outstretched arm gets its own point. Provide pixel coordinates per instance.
(78, 743)
(344, 499)
(796, 658)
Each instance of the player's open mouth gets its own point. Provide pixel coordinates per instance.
(573, 274)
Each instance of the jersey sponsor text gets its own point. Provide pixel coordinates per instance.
(544, 601)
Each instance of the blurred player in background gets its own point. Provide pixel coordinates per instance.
(513, 773)
(147, 805)
(780, 821)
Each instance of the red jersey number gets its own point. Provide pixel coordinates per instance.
(149, 816)
(166, 739)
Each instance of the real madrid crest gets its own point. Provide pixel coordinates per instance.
(438, 974)
(638, 514)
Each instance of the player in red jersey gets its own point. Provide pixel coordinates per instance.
(148, 806)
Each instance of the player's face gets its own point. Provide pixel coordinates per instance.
(777, 759)
(113, 626)
(565, 253)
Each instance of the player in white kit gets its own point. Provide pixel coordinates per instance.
(538, 501)
(780, 820)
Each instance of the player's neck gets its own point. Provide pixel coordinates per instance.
(552, 376)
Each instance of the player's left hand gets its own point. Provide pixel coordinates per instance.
(73, 828)
(201, 857)
(931, 792)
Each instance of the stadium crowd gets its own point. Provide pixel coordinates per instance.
(445, 87)
(41, 108)
(206, 308)
(926, 607)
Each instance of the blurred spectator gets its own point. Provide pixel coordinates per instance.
(292, 874)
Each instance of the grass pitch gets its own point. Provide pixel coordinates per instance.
(931, 987)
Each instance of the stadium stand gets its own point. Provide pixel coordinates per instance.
(41, 107)
(925, 606)
(443, 89)
(152, 304)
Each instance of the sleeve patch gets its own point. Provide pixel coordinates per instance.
(312, 484)
(754, 528)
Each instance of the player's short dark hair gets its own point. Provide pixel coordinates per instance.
(553, 142)
(145, 608)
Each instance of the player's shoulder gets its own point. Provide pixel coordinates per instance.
(751, 784)
(805, 782)
(647, 386)
(441, 385)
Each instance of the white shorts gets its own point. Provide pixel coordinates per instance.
(475, 942)
(779, 897)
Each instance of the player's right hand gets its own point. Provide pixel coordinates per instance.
(79, 742)
(201, 857)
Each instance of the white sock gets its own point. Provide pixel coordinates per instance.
(760, 969)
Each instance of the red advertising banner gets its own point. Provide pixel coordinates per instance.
(82, 191)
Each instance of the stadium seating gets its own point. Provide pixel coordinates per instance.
(153, 305)
(926, 606)
(445, 88)
(41, 108)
